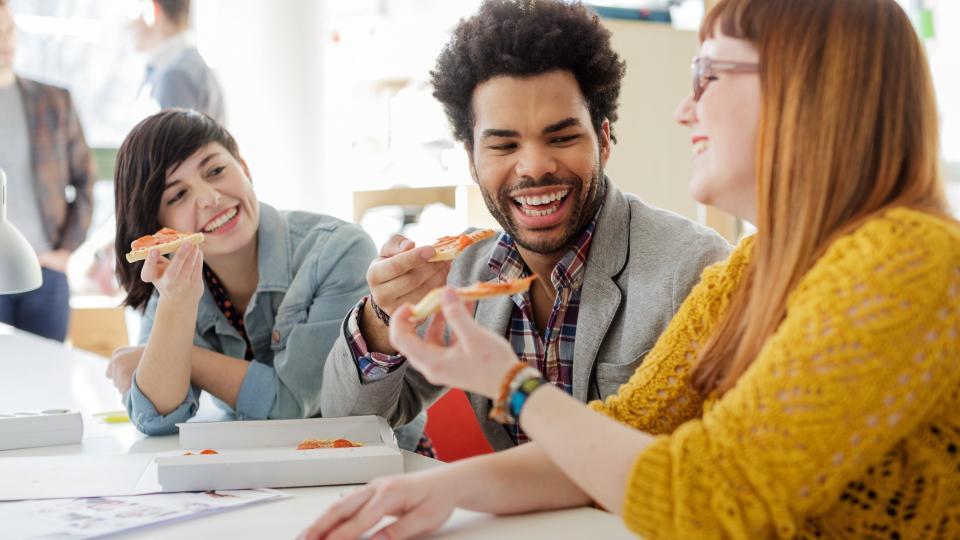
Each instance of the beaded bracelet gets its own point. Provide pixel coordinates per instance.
(499, 412)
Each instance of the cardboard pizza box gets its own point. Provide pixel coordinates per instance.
(261, 454)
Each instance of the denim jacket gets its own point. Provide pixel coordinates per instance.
(312, 271)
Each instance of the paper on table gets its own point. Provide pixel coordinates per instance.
(69, 519)
(86, 475)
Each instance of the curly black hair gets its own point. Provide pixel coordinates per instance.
(524, 38)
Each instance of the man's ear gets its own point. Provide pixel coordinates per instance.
(468, 148)
(605, 141)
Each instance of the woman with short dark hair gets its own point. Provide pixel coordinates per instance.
(248, 315)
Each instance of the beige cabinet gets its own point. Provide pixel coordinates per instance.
(653, 156)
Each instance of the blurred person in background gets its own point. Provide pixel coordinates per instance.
(176, 76)
(50, 175)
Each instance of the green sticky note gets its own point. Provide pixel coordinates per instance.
(925, 26)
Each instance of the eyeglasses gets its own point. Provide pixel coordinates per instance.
(705, 70)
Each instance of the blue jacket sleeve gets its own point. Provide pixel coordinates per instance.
(140, 409)
(150, 422)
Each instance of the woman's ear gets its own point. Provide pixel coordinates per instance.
(246, 170)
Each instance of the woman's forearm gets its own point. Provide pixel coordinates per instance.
(218, 374)
(597, 453)
(578, 456)
(519, 480)
(164, 371)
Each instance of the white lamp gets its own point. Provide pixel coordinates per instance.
(19, 267)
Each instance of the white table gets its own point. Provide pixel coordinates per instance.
(37, 374)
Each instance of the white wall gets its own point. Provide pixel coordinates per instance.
(269, 59)
(653, 156)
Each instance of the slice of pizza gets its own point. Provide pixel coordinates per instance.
(313, 444)
(206, 452)
(433, 301)
(165, 241)
(448, 247)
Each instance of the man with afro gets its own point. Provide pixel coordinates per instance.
(531, 89)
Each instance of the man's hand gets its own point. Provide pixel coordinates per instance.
(122, 365)
(401, 274)
(55, 260)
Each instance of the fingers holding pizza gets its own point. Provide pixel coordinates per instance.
(404, 273)
(475, 358)
(177, 279)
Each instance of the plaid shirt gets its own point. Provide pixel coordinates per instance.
(551, 351)
(61, 159)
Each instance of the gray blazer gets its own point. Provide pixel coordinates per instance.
(643, 261)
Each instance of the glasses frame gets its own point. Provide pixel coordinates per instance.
(705, 68)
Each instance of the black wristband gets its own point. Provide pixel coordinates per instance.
(379, 312)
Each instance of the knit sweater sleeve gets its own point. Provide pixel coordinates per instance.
(866, 351)
(657, 398)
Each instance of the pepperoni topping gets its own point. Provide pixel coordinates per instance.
(162, 236)
(143, 242)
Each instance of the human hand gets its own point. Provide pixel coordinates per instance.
(178, 280)
(122, 365)
(402, 274)
(476, 359)
(421, 502)
(55, 260)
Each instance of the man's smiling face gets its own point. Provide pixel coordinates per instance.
(537, 158)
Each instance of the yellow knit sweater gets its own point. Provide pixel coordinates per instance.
(847, 425)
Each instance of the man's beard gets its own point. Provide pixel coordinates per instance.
(582, 212)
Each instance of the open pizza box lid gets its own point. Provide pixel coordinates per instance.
(262, 453)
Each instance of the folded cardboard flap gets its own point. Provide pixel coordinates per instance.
(44, 428)
(369, 430)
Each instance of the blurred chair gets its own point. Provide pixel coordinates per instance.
(454, 430)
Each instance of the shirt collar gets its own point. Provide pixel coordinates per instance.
(507, 264)
(273, 257)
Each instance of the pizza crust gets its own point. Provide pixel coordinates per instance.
(433, 301)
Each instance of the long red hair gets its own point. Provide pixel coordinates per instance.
(848, 129)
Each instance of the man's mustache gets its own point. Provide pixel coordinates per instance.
(543, 181)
